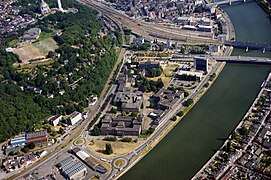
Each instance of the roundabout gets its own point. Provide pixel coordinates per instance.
(120, 163)
(79, 142)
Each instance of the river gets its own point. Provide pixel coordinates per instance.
(202, 131)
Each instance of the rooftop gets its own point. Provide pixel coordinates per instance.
(36, 134)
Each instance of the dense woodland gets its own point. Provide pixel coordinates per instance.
(82, 69)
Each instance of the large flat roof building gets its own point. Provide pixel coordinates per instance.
(32, 34)
(88, 160)
(38, 137)
(71, 168)
(131, 102)
(18, 141)
(122, 125)
(201, 63)
(195, 75)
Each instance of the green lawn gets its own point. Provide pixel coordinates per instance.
(45, 45)
(44, 35)
(12, 43)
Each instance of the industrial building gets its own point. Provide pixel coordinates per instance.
(38, 137)
(89, 161)
(18, 141)
(74, 118)
(71, 168)
(201, 63)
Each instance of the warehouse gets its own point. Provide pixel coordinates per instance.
(72, 169)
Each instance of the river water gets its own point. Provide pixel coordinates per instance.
(203, 130)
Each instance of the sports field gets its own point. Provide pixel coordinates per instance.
(36, 50)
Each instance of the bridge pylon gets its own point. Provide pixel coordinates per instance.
(229, 2)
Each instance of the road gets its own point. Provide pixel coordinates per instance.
(78, 131)
(62, 146)
(244, 59)
(164, 123)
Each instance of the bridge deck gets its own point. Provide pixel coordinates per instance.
(243, 59)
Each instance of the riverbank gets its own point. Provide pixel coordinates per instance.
(201, 173)
(171, 124)
(191, 143)
(265, 6)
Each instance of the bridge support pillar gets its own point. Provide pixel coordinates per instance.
(229, 2)
(245, 0)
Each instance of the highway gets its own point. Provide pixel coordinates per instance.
(152, 30)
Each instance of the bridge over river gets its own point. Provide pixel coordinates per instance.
(218, 3)
(243, 59)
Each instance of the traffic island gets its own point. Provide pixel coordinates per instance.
(79, 142)
(120, 163)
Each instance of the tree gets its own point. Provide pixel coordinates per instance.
(50, 54)
(155, 72)
(123, 113)
(244, 130)
(54, 133)
(186, 94)
(108, 149)
(228, 146)
(110, 138)
(134, 114)
(61, 131)
(188, 102)
(126, 139)
(96, 131)
(31, 145)
(180, 113)
(113, 110)
(25, 149)
(174, 118)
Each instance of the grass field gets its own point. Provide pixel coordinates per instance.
(45, 45)
(36, 50)
(44, 35)
(166, 76)
(118, 147)
(27, 53)
(12, 43)
(30, 66)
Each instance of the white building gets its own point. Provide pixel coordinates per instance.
(44, 8)
(54, 120)
(198, 2)
(18, 141)
(75, 117)
(190, 73)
